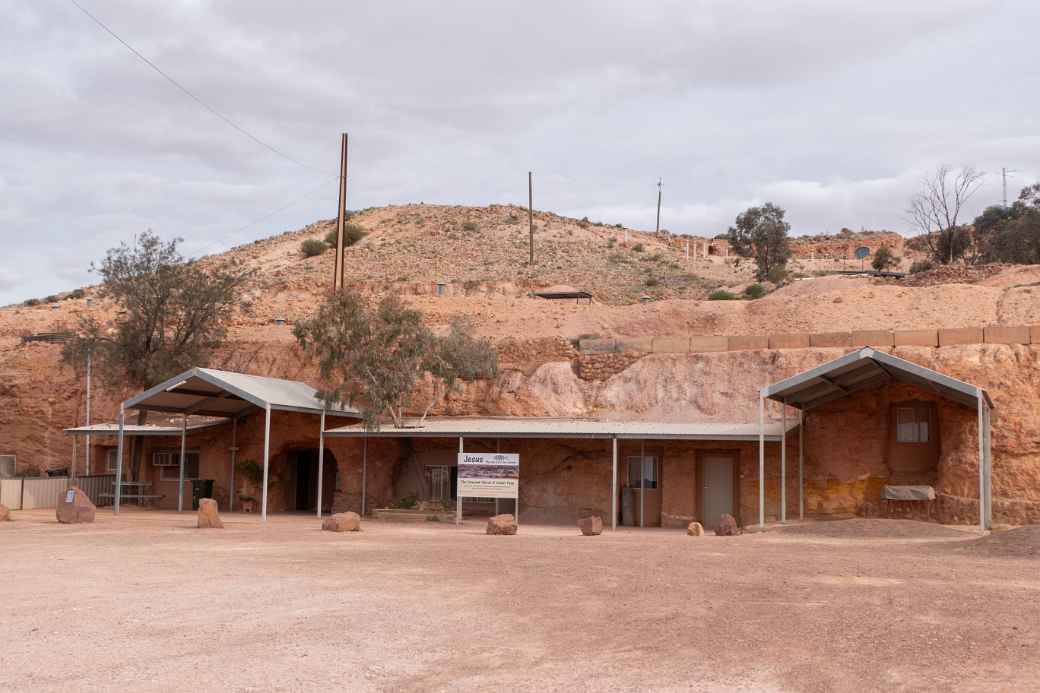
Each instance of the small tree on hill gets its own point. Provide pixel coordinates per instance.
(884, 259)
(761, 233)
(935, 210)
(1011, 234)
(173, 314)
(374, 355)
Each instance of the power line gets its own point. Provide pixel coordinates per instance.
(287, 205)
(191, 95)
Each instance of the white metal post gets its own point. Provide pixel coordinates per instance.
(321, 458)
(643, 480)
(801, 464)
(180, 476)
(762, 459)
(364, 472)
(783, 461)
(119, 462)
(458, 496)
(613, 484)
(87, 455)
(234, 451)
(984, 476)
(267, 461)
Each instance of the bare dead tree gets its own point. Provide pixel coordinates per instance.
(935, 209)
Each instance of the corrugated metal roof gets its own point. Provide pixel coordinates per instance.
(138, 429)
(536, 427)
(211, 392)
(865, 369)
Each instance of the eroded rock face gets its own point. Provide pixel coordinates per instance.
(342, 522)
(5, 513)
(208, 517)
(591, 526)
(502, 524)
(695, 529)
(727, 527)
(75, 507)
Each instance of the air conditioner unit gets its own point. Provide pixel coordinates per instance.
(7, 466)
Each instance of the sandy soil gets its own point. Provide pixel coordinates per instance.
(145, 603)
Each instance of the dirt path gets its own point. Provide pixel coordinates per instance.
(144, 603)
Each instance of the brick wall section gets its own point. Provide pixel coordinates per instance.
(878, 338)
(680, 344)
(961, 335)
(1006, 334)
(924, 338)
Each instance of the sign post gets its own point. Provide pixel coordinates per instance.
(489, 475)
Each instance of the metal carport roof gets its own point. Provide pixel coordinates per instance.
(865, 369)
(545, 427)
(210, 392)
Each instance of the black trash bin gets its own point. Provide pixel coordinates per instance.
(200, 488)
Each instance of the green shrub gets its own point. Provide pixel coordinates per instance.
(884, 259)
(722, 295)
(652, 281)
(53, 298)
(754, 291)
(638, 248)
(470, 226)
(312, 247)
(352, 233)
(77, 293)
(921, 266)
(31, 302)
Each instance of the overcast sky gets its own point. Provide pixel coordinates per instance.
(833, 110)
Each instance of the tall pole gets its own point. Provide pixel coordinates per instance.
(337, 278)
(321, 458)
(87, 457)
(530, 215)
(119, 461)
(613, 483)
(658, 228)
(180, 475)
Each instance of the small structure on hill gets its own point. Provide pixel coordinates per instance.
(564, 293)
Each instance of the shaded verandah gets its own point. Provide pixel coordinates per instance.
(223, 395)
(861, 371)
(463, 429)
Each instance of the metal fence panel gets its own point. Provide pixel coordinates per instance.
(43, 493)
(96, 484)
(11, 493)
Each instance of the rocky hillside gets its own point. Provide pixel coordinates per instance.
(643, 285)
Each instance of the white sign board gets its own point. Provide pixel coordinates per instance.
(489, 475)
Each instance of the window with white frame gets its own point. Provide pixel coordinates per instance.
(912, 424)
(169, 461)
(648, 478)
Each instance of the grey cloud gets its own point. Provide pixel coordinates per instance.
(832, 109)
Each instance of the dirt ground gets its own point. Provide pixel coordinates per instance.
(147, 603)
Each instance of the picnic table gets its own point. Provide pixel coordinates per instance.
(135, 490)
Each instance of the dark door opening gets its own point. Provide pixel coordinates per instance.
(304, 466)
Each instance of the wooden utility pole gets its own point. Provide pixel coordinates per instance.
(338, 272)
(530, 214)
(658, 228)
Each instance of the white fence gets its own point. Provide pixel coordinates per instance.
(26, 494)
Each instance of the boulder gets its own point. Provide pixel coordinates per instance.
(591, 526)
(208, 517)
(5, 513)
(502, 524)
(695, 529)
(342, 522)
(75, 507)
(727, 527)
